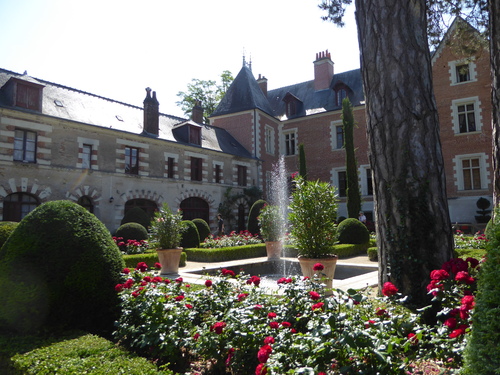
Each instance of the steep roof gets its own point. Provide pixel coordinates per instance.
(83, 107)
(243, 94)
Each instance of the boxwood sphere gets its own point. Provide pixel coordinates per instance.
(6, 228)
(59, 269)
(352, 231)
(132, 231)
(190, 236)
(203, 228)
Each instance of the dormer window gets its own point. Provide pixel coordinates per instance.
(340, 94)
(24, 94)
(293, 105)
(195, 135)
(342, 91)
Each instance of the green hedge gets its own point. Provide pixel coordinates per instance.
(75, 353)
(226, 253)
(350, 250)
(373, 253)
(149, 258)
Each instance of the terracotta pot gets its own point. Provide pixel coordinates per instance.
(273, 249)
(307, 264)
(169, 260)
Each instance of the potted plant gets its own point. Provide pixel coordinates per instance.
(484, 214)
(313, 214)
(272, 228)
(165, 235)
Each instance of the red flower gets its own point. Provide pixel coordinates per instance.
(242, 296)
(321, 373)
(179, 280)
(269, 340)
(369, 323)
(464, 277)
(473, 262)
(380, 312)
(389, 289)
(118, 287)
(261, 369)
(157, 265)
(157, 279)
(229, 356)
(167, 281)
(229, 273)
(188, 306)
(179, 298)
(439, 275)
(314, 295)
(451, 323)
(254, 279)
(137, 292)
(413, 338)
(271, 315)
(458, 332)
(218, 327)
(128, 284)
(257, 307)
(196, 336)
(147, 279)
(286, 324)
(455, 265)
(274, 325)
(467, 303)
(318, 306)
(318, 267)
(126, 271)
(142, 266)
(208, 283)
(264, 353)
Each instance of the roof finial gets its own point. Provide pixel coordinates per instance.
(245, 63)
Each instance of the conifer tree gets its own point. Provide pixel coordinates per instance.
(352, 192)
(302, 162)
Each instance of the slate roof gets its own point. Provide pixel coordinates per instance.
(245, 94)
(90, 109)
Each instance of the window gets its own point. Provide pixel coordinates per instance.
(196, 169)
(170, 167)
(86, 156)
(131, 160)
(17, 205)
(291, 108)
(242, 175)
(339, 136)
(195, 135)
(290, 144)
(25, 146)
(471, 171)
(28, 96)
(269, 140)
(340, 95)
(86, 202)
(218, 174)
(369, 182)
(466, 115)
(462, 73)
(342, 183)
(193, 208)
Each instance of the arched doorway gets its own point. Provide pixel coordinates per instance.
(148, 206)
(86, 202)
(17, 205)
(241, 217)
(194, 208)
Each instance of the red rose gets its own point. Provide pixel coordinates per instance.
(458, 332)
(157, 265)
(473, 262)
(179, 280)
(147, 279)
(380, 312)
(286, 324)
(188, 306)
(257, 307)
(271, 315)
(318, 267)
(389, 289)
(318, 306)
(142, 266)
(128, 284)
(264, 353)
(369, 323)
(274, 325)
(314, 295)
(261, 369)
(413, 338)
(179, 298)
(196, 336)
(439, 275)
(269, 340)
(208, 283)
(126, 271)
(218, 327)
(451, 323)
(455, 265)
(467, 303)
(157, 279)
(242, 296)
(118, 287)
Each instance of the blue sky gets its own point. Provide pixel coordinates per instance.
(118, 48)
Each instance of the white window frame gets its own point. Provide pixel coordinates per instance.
(269, 135)
(483, 170)
(289, 132)
(335, 178)
(333, 131)
(453, 71)
(94, 143)
(477, 114)
(363, 175)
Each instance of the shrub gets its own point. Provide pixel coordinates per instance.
(226, 253)
(151, 259)
(58, 269)
(372, 254)
(190, 237)
(132, 231)
(352, 231)
(482, 355)
(136, 215)
(203, 228)
(253, 222)
(6, 228)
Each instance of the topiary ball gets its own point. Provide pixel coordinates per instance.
(190, 237)
(203, 228)
(253, 223)
(132, 231)
(6, 228)
(58, 270)
(352, 231)
(136, 215)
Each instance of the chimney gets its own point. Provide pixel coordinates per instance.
(262, 81)
(197, 113)
(151, 113)
(323, 70)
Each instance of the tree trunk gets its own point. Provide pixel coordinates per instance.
(494, 10)
(413, 225)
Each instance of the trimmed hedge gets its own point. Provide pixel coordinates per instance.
(6, 228)
(203, 228)
(132, 231)
(74, 353)
(373, 253)
(226, 253)
(149, 258)
(190, 235)
(352, 231)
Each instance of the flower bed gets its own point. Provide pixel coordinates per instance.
(231, 324)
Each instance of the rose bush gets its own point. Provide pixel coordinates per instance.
(231, 240)
(233, 323)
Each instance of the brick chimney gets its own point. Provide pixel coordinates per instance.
(151, 113)
(262, 81)
(197, 113)
(323, 70)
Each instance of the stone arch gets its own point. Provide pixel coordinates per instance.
(135, 194)
(238, 204)
(197, 193)
(23, 185)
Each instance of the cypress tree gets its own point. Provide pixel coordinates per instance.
(302, 162)
(352, 191)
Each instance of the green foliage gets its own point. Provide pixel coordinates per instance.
(482, 355)
(207, 93)
(78, 353)
(150, 259)
(6, 228)
(253, 223)
(352, 192)
(226, 253)
(372, 253)
(313, 213)
(190, 236)
(136, 215)
(166, 229)
(58, 269)
(272, 223)
(203, 228)
(302, 162)
(132, 231)
(352, 231)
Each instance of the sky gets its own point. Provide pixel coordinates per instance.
(117, 48)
